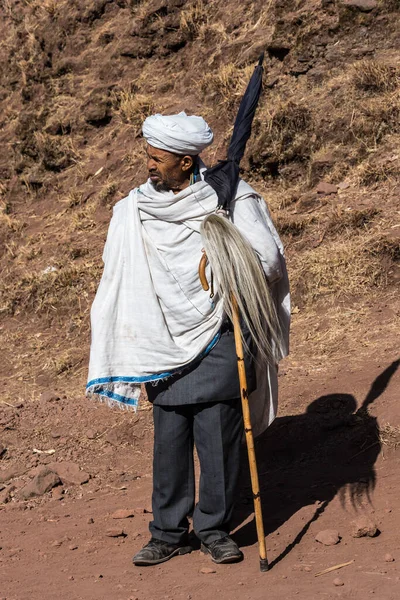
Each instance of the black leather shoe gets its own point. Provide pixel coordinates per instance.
(157, 551)
(224, 550)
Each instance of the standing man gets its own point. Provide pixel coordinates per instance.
(153, 323)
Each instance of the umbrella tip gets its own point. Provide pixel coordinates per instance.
(261, 59)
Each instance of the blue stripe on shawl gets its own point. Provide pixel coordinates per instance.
(122, 399)
(144, 379)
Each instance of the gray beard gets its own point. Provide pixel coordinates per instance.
(160, 186)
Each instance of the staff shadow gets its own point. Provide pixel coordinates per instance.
(310, 458)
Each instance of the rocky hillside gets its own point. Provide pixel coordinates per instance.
(78, 77)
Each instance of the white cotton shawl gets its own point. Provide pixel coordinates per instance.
(151, 317)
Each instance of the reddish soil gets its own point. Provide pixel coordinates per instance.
(76, 80)
(321, 465)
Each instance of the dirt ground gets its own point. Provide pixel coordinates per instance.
(323, 463)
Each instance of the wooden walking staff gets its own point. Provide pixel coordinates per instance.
(255, 486)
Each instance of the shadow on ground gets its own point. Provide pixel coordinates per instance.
(310, 458)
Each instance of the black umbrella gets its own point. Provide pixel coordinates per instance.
(224, 176)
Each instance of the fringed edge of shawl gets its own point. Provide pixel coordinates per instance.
(105, 393)
(103, 388)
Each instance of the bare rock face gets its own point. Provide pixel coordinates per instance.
(363, 526)
(321, 165)
(207, 570)
(123, 514)
(361, 5)
(43, 482)
(12, 473)
(137, 48)
(69, 473)
(309, 201)
(389, 558)
(58, 493)
(326, 188)
(328, 537)
(6, 494)
(115, 533)
(142, 511)
(97, 108)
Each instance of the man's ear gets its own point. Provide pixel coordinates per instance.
(187, 163)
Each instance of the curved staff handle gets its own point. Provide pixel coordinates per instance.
(203, 277)
(202, 272)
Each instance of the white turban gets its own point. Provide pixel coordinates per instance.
(181, 134)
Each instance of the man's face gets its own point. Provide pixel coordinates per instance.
(167, 171)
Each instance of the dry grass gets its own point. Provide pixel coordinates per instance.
(389, 435)
(376, 171)
(23, 43)
(52, 291)
(193, 18)
(5, 207)
(323, 337)
(354, 112)
(336, 269)
(64, 114)
(133, 108)
(375, 77)
(55, 153)
(140, 8)
(20, 252)
(108, 192)
(27, 252)
(292, 227)
(213, 35)
(374, 118)
(391, 4)
(63, 362)
(73, 198)
(49, 7)
(342, 329)
(82, 220)
(347, 220)
(9, 223)
(135, 157)
(283, 131)
(385, 246)
(225, 86)
(3, 191)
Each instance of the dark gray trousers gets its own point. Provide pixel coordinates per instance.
(215, 428)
